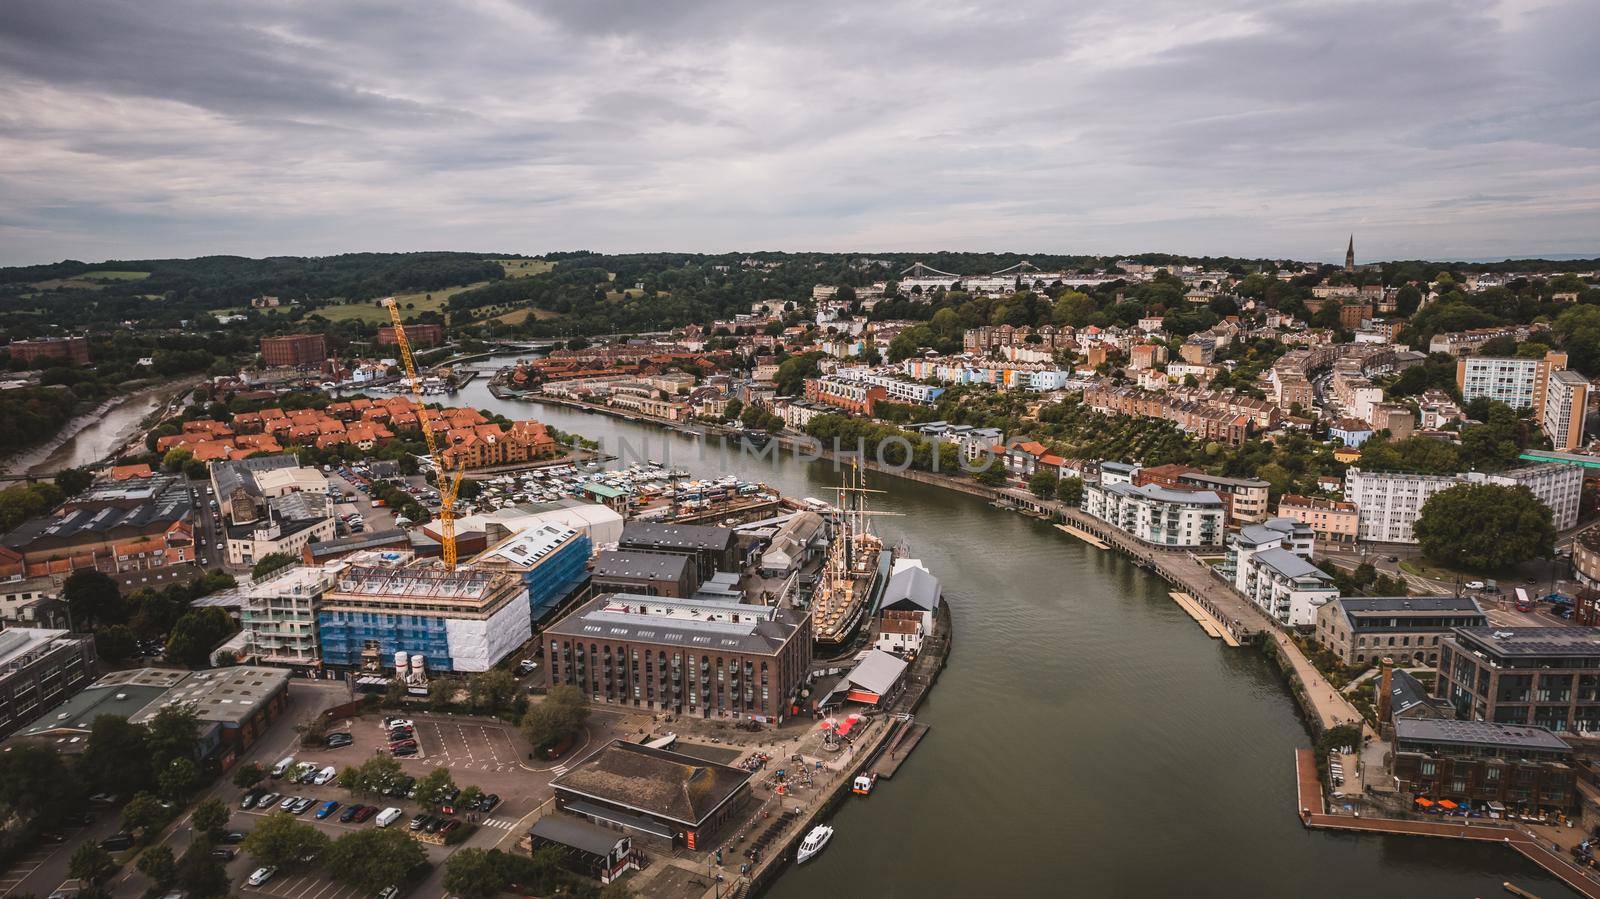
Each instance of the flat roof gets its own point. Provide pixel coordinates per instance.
(1529, 642)
(648, 566)
(657, 782)
(1478, 733)
(1392, 604)
(624, 616)
(644, 535)
(577, 833)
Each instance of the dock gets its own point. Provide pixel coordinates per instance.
(1207, 622)
(1085, 536)
(1313, 814)
(898, 750)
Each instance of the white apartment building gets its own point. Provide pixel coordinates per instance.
(1519, 383)
(279, 615)
(1287, 587)
(1566, 404)
(1388, 503)
(899, 389)
(1277, 533)
(1157, 514)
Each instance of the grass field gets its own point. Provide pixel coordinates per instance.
(518, 316)
(525, 268)
(91, 280)
(370, 311)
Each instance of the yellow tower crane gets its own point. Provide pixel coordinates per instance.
(447, 492)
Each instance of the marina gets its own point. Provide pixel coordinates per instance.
(1082, 698)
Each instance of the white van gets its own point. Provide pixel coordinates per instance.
(325, 775)
(283, 766)
(387, 816)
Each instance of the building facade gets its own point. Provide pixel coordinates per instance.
(1545, 676)
(1159, 515)
(294, 350)
(42, 351)
(550, 558)
(1519, 383)
(1332, 521)
(39, 669)
(700, 658)
(278, 615)
(1388, 503)
(418, 334)
(1521, 768)
(1407, 629)
(1566, 408)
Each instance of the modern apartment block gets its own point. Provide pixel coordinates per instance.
(278, 615)
(463, 620)
(1286, 586)
(39, 669)
(1160, 515)
(1566, 406)
(1519, 383)
(1545, 676)
(1388, 503)
(708, 658)
(1407, 629)
(1245, 499)
(550, 558)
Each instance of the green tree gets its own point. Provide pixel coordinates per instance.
(93, 598)
(1484, 527)
(1070, 491)
(1043, 483)
(562, 715)
(116, 644)
(280, 839)
(493, 690)
(72, 481)
(176, 458)
(145, 812)
(179, 780)
(211, 817)
(271, 562)
(173, 733)
(472, 874)
(992, 476)
(247, 776)
(196, 634)
(118, 759)
(92, 865)
(201, 874)
(158, 864)
(373, 859)
(433, 785)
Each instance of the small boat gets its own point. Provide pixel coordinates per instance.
(813, 843)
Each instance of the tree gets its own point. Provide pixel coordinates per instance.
(493, 690)
(179, 780)
(197, 633)
(271, 562)
(472, 874)
(1043, 483)
(469, 796)
(117, 760)
(561, 716)
(1070, 491)
(158, 864)
(176, 458)
(372, 776)
(116, 643)
(248, 776)
(92, 865)
(210, 816)
(991, 476)
(373, 859)
(93, 598)
(145, 812)
(72, 481)
(433, 785)
(1484, 527)
(280, 839)
(733, 411)
(201, 874)
(174, 733)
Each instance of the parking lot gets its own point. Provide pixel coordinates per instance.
(470, 746)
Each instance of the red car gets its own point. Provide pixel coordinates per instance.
(367, 811)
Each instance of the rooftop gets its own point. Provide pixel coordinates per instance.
(1478, 733)
(699, 622)
(1367, 605)
(1530, 642)
(657, 782)
(643, 565)
(639, 535)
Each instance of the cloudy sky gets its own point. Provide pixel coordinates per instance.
(147, 128)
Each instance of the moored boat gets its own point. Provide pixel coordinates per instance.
(813, 843)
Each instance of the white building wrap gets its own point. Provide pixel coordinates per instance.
(477, 644)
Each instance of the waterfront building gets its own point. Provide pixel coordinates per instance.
(1331, 520)
(1566, 408)
(551, 558)
(1388, 503)
(1160, 515)
(46, 351)
(462, 620)
(294, 350)
(419, 334)
(711, 658)
(1519, 383)
(648, 574)
(681, 800)
(1278, 533)
(39, 669)
(1518, 767)
(854, 397)
(1244, 498)
(1544, 676)
(1407, 629)
(234, 707)
(900, 633)
(1286, 586)
(875, 681)
(586, 849)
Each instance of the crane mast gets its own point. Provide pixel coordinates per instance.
(447, 492)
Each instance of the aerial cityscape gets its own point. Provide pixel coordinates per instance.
(686, 451)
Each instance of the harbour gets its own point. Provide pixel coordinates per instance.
(1082, 698)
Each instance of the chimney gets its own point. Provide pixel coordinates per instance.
(1385, 686)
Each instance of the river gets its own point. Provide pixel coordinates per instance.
(1088, 738)
(89, 438)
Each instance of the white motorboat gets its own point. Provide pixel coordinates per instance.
(813, 843)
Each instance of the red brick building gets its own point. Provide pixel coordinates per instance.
(70, 350)
(294, 350)
(420, 335)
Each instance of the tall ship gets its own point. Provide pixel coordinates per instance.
(856, 569)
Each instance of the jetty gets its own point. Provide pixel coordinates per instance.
(1206, 620)
(1085, 536)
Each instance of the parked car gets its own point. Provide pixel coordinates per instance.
(434, 825)
(328, 808)
(251, 798)
(224, 853)
(405, 750)
(325, 775)
(288, 803)
(268, 801)
(449, 825)
(526, 666)
(1475, 585)
(117, 842)
(389, 892)
(349, 813)
(234, 837)
(339, 740)
(487, 803)
(303, 806)
(367, 811)
(261, 875)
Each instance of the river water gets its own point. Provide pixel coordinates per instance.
(1088, 739)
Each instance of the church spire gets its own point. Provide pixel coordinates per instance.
(1350, 255)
